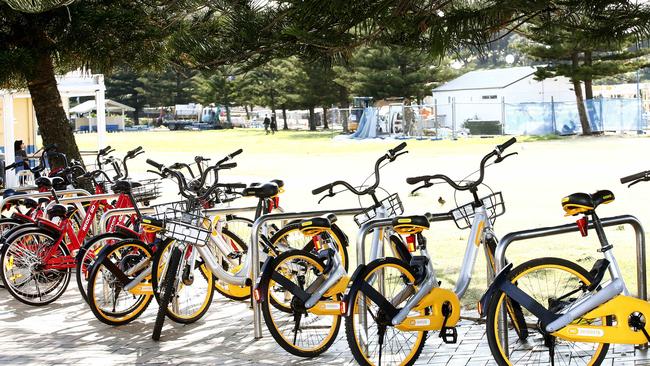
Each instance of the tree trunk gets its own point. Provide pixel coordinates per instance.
(248, 113)
(284, 117)
(138, 108)
(325, 125)
(577, 88)
(589, 91)
(52, 120)
(312, 119)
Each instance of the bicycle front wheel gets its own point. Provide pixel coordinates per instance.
(372, 340)
(553, 282)
(297, 330)
(193, 292)
(107, 298)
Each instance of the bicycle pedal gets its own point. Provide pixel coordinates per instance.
(449, 335)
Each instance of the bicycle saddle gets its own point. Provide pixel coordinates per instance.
(43, 182)
(278, 182)
(264, 190)
(10, 192)
(124, 186)
(59, 210)
(408, 225)
(29, 203)
(582, 202)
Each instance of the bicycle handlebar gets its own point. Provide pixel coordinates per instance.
(391, 155)
(636, 176)
(496, 152)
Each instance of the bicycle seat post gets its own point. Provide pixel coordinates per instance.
(600, 231)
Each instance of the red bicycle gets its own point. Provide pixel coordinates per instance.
(37, 262)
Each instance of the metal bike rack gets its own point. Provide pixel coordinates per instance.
(150, 210)
(255, 255)
(76, 191)
(506, 241)
(122, 212)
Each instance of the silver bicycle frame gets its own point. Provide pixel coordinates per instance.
(481, 228)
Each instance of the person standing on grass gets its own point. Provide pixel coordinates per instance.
(274, 124)
(267, 123)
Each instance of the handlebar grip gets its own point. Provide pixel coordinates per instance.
(236, 153)
(416, 180)
(632, 177)
(507, 144)
(397, 148)
(322, 189)
(227, 166)
(134, 151)
(104, 150)
(154, 164)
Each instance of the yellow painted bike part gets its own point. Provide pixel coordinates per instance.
(339, 287)
(326, 308)
(434, 299)
(621, 307)
(142, 289)
(409, 229)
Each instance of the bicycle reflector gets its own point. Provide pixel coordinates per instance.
(316, 240)
(343, 307)
(583, 225)
(410, 243)
(257, 295)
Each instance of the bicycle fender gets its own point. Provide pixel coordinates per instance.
(496, 285)
(109, 265)
(355, 284)
(264, 277)
(339, 233)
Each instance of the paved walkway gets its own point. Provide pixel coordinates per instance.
(67, 333)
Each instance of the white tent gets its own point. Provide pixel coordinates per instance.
(114, 122)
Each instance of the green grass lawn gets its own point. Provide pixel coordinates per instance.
(533, 182)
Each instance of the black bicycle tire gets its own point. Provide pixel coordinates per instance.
(174, 262)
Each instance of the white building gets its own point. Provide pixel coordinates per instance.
(481, 95)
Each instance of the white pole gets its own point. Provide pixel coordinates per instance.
(10, 154)
(101, 115)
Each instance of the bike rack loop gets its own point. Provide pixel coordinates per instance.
(149, 210)
(255, 255)
(506, 241)
(77, 191)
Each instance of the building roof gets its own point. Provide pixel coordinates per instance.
(487, 79)
(111, 106)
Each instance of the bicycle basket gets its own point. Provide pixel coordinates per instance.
(147, 192)
(392, 204)
(186, 227)
(493, 204)
(170, 210)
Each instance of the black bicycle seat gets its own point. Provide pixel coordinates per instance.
(124, 186)
(265, 190)
(577, 203)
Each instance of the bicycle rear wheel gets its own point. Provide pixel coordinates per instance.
(194, 291)
(167, 291)
(547, 280)
(107, 298)
(291, 237)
